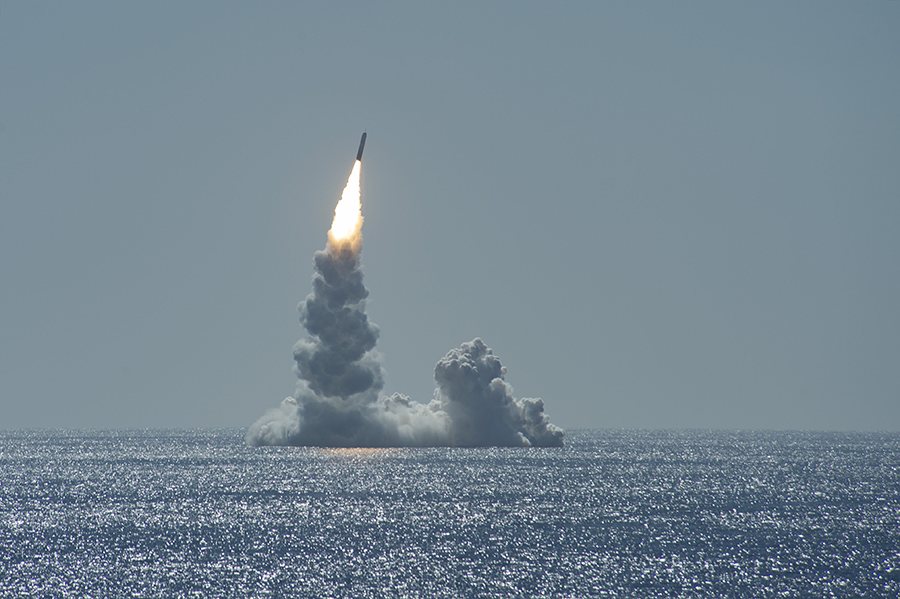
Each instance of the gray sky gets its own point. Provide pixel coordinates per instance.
(656, 214)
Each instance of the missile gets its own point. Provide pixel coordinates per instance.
(362, 144)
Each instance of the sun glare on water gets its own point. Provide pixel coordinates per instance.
(358, 453)
(347, 216)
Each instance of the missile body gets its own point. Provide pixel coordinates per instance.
(362, 144)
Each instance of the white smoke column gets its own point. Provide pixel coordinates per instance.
(337, 401)
(340, 373)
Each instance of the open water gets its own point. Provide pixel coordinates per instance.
(197, 513)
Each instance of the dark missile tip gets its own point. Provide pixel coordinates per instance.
(362, 144)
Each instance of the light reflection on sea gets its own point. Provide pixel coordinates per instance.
(184, 513)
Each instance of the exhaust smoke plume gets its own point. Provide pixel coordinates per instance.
(337, 401)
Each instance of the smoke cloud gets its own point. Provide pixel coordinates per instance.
(480, 404)
(337, 402)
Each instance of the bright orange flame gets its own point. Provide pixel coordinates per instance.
(348, 218)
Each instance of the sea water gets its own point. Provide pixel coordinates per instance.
(197, 513)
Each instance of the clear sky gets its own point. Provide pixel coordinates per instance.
(657, 214)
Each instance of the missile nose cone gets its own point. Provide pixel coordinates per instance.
(362, 144)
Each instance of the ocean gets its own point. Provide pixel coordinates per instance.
(615, 513)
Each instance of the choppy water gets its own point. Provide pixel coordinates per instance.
(613, 514)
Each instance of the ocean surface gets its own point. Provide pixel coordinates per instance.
(197, 513)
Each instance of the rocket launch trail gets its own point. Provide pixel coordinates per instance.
(348, 218)
(338, 400)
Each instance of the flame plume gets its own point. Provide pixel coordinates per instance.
(347, 225)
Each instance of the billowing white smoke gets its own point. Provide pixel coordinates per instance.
(482, 409)
(337, 401)
(337, 404)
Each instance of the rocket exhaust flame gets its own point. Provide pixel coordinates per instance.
(337, 402)
(348, 218)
